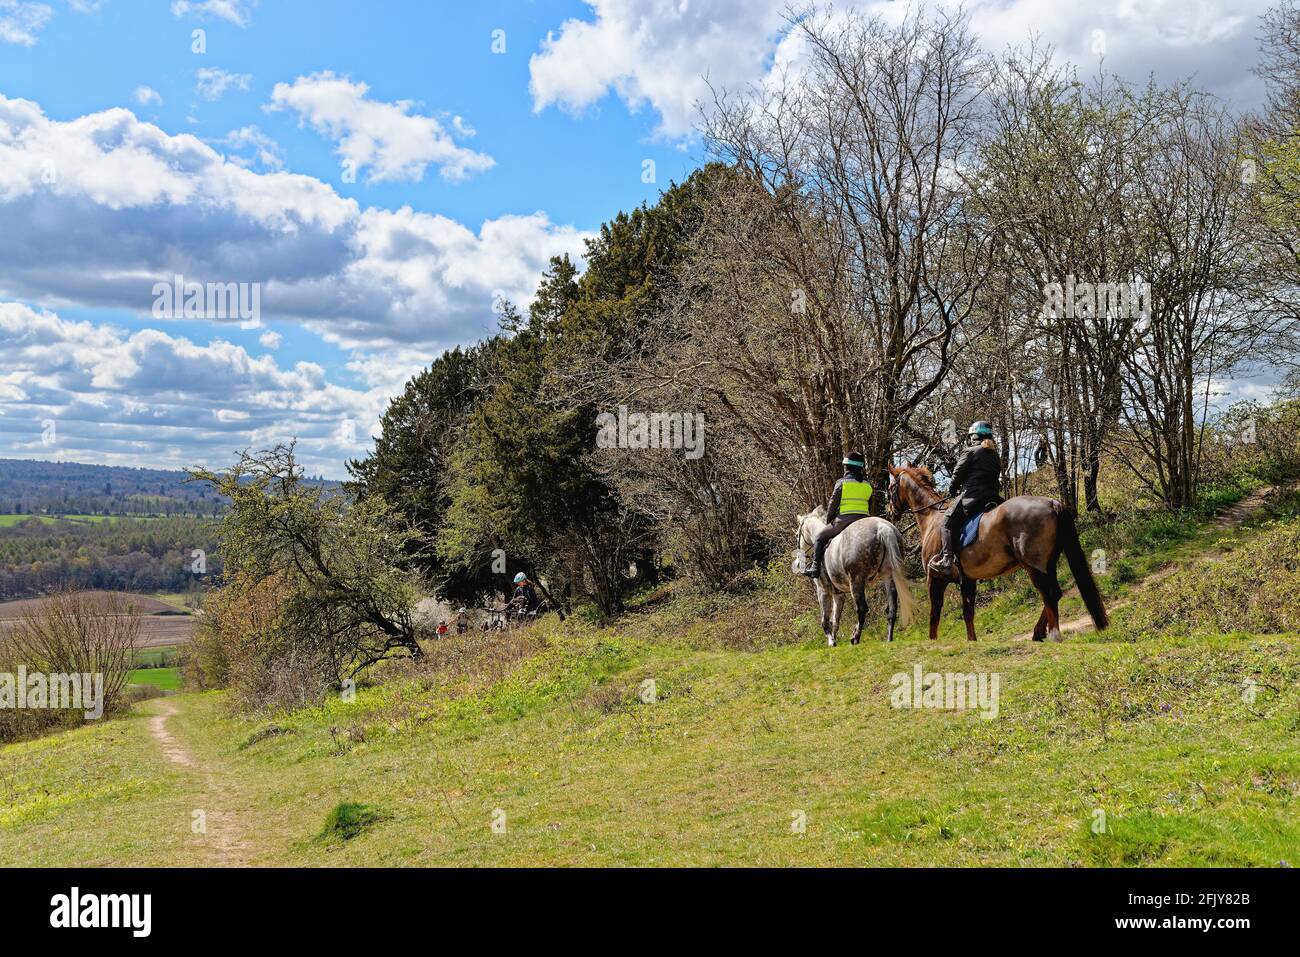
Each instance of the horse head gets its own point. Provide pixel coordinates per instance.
(800, 544)
(909, 493)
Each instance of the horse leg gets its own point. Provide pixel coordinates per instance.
(1040, 629)
(968, 606)
(824, 600)
(859, 603)
(937, 587)
(837, 610)
(891, 607)
(1050, 589)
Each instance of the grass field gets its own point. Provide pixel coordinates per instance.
(756, 746)
(156, 657)
(167, 678)
(175, 599)
(9, 519)
(163, 623)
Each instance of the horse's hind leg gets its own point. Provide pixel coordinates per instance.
(1040, 629)
(937, 588)
(891, 607)
(968, 606)
(859, 603)
(1050, 589)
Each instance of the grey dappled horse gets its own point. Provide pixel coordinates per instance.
(868, 551)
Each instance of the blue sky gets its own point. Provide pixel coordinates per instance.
(126, 157)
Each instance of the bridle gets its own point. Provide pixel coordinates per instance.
(799, 545)
(894, 497)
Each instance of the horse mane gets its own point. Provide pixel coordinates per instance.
(921, 475)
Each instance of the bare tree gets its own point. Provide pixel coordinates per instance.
(1272, 171)
(1059, 175)
(834, 281)
(1203, 324)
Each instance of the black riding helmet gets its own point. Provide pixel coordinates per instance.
(854, 461)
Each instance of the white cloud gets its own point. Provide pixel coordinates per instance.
(213, 82)
(144, 95)
(270, 340)
(122, 398)
(386, 138)
(659, 52)
(234, 11)
(95, 210)
(21, 21)
(251, 147)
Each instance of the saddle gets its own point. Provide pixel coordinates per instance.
(970, 532)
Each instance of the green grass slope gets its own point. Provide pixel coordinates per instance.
(721, 731)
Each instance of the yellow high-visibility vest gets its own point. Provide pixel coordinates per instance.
(855, 498)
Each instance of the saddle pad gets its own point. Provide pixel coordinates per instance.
(971, 530)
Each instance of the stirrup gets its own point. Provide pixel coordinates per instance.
(945, 568)
(813, 571)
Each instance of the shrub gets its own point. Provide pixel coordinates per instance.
(348, 820)
(251, 641)
(1253, 590)
(70, 633)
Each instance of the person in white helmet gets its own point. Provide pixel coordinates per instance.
(525, 594)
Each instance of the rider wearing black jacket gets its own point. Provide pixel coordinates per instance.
(977, 480)
(524, 594)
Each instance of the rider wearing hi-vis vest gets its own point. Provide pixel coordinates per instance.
(850, 501)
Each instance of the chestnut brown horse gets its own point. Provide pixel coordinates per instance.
(1028, 531)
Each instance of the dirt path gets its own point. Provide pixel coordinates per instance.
(1237, 514)
(1230, 518)
(221, 842)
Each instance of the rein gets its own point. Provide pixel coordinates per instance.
(924, 508)
(942, 500)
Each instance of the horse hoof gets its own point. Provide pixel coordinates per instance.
(830, 642)
(1053, 635)
(854, 641)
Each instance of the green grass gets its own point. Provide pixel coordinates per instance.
(759, 746)
(8, 520)
(155, 657)
(167, 678)
(348, 820)
(177, 599)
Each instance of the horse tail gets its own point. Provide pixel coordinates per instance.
(897, 571)
(1067, 540)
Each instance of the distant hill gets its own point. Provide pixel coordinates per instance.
(72, 488)
(71, 525)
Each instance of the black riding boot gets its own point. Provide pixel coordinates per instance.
(943, 563)
(815, 569)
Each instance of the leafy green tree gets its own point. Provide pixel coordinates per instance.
(410, 465)
(520, 481)
(525, 479)
(338, 559)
